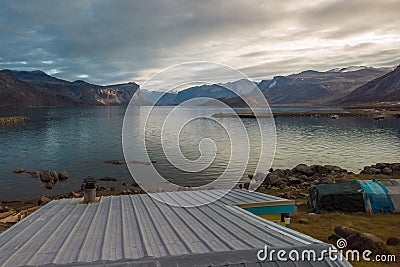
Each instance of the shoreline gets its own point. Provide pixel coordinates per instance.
(334, 115)
(291, 184)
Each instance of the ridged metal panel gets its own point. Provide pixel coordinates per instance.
(140, 229)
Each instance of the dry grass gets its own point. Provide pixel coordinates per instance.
(321, 226)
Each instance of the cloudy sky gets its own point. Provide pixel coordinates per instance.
(117, 41)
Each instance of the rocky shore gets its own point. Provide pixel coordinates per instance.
(295, 183)
(11, 120)
(292, 183)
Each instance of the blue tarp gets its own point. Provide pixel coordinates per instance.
(376, 196)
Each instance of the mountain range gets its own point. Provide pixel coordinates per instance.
(341, 87)
(383, 89)
(19, 88)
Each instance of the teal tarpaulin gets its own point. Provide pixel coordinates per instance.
(380, 195)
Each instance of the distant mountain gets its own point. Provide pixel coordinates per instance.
(383, 89)
(221, 90)
(350, 68)
(81, 91)
(316, 88)
(17, 93)
(162, 98)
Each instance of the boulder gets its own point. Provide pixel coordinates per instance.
(333, 238)
(294, 180)
(396, 167)
(18, 170)
(34, 174)
(134, 183)
(381, 165)
(374, 171)
(387, 171)
(46, 176)
(63, 175)
(258, 176)
(344, 231)
(393, 241)
(364, 241)
(49, 184)
(332, 168)
(43, 200)
(54, 175)
(318, 169)
(272, 179)
(304, 169)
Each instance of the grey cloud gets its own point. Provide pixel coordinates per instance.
(116, 41)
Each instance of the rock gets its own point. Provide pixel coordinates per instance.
(387, 171)
(124, 184)
(63, 175)
(294, 180)
(304, 169)
(318, 169)
(282, 185)
(129, 192)
(34, 174)
(332, 168)
(396, 167)
(50, 184)
(54, 175)
(381, 165)
(18, 170)
(46, 176)
(284, 195)
(344, 231)
(258, 176)
(272, 179)
(75, 195)
(108, 179)
(326, 180)
(333, 238)
(115, 162)
(393, 241)
(304, 221)
(43, 200)
(314, 177)
(364, 241)
(134, 183)
(374, 171)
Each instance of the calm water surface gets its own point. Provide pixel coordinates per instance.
(80, 139)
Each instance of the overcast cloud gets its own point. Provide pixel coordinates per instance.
(118, 41)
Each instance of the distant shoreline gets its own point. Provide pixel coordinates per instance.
(335, 115)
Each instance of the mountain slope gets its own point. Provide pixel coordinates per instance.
(383, 89)
(314, 88)
(17, 93)
(81, 91)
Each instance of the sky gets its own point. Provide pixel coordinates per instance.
(106, 42)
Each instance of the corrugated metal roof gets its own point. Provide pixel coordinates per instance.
(138, 230)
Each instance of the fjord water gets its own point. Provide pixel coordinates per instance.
(79, 140)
